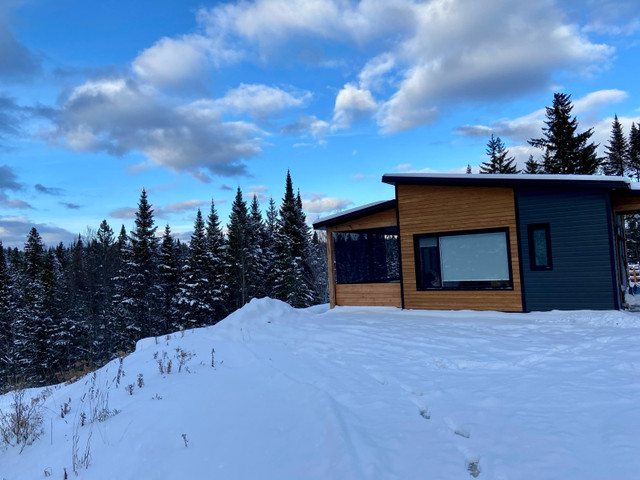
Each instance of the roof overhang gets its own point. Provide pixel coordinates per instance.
(353, 214)
(508, 180)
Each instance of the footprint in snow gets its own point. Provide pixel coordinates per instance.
(473, 467)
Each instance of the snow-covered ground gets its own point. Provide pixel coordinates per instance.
(357, 393)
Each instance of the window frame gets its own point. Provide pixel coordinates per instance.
(370, 259)
(531, 228)
(473, 284)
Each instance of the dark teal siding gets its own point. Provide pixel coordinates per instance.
(581, 247)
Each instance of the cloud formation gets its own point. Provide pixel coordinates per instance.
(120, 115)
(49, 190)
(13, 232)
(260, 101)
(319, 203)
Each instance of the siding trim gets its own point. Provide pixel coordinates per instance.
(399, 249)
(612, 253)
(516, 208)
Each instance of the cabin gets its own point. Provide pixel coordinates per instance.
(513, 243)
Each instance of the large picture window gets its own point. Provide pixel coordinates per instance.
(367, 256)
(463, 260)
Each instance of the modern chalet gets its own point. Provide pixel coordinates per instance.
(514, 243)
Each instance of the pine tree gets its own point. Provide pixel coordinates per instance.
(216, 267)
(531, 166)
(469, 169)
(7, 352)
(498, 160)
(292, 283)
(122, 311)
(257, 265)
(270, 250)
(144, 246)
(616, 161)
(103, 254)
(565, 151)
(238, 259)
(169, 273)
(634, 152)
(194, 301)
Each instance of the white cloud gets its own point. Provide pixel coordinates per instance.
(352, 103)
(171, 62)
(260, 100)
(372, 75)
(595, 100)
(121, 115)
(326, 204)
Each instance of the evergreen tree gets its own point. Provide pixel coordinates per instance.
(270, 250)
(257, 265)
(143, 279)
(634, 152)
(616, 161)
(498, 160)
(123, 333)
(531, 166)
(103, 252)
(565, 151)
(468, 168)
(7, 352)
(194, 301)
(30, 332)
(292, 282)
(216, 266)
(169, 273)
(238, 255)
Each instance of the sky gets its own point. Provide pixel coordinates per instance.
(192, 99)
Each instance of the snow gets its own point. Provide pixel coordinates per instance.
(360, 393)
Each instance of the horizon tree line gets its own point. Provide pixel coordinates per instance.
(72, 308)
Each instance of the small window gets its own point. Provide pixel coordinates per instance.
(540, 246)
(463, 260)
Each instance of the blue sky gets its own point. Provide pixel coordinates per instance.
(191, 99)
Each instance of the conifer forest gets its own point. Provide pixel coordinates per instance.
(68, 309)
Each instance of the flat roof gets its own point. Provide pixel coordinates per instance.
(353, 213)
(507, 180)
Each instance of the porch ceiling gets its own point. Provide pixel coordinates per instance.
(627, 203)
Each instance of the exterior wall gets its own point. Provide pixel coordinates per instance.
(583, 274)
(426, 209)
(372, 294)
(369, 294)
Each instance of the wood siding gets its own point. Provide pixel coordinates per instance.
(373, 294)
(435, 209)
(369, 294)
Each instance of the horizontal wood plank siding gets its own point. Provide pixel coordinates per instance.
(430, 209)
(362, 294)
(386, 218)
(369, 294)
(583, 274)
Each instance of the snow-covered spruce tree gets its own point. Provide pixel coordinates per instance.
(270, 250)
(565, 151)
(169, 272)
(30, 331)
(216, 267)
(257, 265)
(292, 282)
(498, 161)
(616, 160)
(144, 271)
(193, 302)
(103, 260)
(121, 321)
(238, 257)
(634, 152)
(7, 353)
